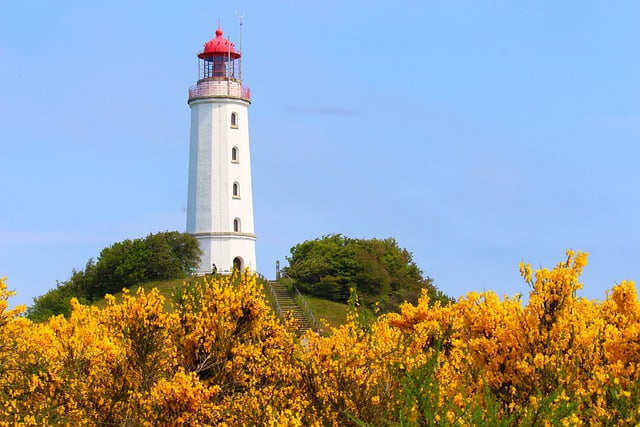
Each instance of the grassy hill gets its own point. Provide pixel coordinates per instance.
(166, 288)
(335, 314)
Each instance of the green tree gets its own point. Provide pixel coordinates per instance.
(173, 253)
(379, 269)
(58, 300)
(160, 256)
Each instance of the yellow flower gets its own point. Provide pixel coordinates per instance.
(458, 400)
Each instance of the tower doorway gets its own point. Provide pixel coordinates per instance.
(237, 264)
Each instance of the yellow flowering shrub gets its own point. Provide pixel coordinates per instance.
(182, 400)
(221, 357)
(352, 374)
(231, 339)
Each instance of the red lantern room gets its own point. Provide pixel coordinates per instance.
(219, 59)
(219, 71)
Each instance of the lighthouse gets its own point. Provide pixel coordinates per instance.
(220, 202)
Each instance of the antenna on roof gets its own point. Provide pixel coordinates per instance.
(241, 16)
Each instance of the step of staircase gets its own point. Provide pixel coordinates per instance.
(289, 307)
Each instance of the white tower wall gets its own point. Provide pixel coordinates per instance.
(220, 159)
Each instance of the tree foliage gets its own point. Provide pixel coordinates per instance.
(159, 256)
(379, 269)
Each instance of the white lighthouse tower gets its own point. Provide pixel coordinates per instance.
(220, 202)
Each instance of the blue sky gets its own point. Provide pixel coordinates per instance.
(478, 134)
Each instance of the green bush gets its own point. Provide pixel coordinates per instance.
(380, 271)
(160, 256)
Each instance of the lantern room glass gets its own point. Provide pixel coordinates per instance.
(218, 67)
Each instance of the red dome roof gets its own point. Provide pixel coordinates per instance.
(219, 46)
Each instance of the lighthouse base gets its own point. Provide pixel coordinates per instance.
(224, 252)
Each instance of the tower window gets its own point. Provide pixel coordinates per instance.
(236, 190)
(234, 120)
(235, 158)
(236, 225)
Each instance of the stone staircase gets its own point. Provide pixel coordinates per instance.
(286, 305)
